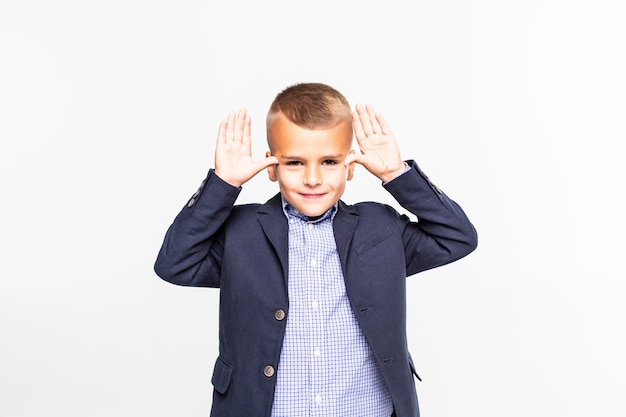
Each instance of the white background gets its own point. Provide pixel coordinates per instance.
(108, 116)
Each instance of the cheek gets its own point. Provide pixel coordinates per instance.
(286, 178)
(338, 179)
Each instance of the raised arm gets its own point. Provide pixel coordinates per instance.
(443, 233)
(191, 252)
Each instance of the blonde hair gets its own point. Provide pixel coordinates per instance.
(311, 106)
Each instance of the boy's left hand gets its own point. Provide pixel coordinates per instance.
(379, 150)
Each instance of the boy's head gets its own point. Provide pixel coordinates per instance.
(309, 130)
(311, 105)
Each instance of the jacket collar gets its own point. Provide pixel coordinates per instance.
(273, 207)
(274, 225)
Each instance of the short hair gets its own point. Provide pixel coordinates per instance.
(311, 106)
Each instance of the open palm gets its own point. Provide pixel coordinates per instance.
(233, 151)
(379, 150)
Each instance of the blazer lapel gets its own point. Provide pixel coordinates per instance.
(344, 224)
(274, 225)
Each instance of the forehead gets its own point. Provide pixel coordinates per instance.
(285, 136)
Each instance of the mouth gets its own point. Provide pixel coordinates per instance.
(312, 196)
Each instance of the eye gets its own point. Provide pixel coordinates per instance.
(293, 163)
(329, 162)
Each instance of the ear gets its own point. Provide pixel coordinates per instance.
(350, 168)
(271, 170)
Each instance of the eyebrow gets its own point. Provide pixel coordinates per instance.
(336, 156)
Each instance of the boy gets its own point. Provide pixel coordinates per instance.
(312, 291)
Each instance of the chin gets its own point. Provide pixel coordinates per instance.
(315, 212)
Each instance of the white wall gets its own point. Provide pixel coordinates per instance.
(108, 115)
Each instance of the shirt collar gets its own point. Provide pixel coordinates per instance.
(290, 211)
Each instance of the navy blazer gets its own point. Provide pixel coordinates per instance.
(242, 249)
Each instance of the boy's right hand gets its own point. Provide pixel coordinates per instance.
(233, 151)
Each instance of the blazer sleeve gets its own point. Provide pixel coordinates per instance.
(192, 249)
(442, 234)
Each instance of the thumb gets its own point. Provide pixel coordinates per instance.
(354, 157)
(264, 163)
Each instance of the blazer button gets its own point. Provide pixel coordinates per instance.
(268, 371)
(191, 202)
(279, 314)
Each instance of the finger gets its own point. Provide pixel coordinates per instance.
(352, 157)
(264, 163)
(230, 128)
(384, 126)
(372, 115)
(357, 126)
(364, 119)
(247, 130)
(240, 123)
(221, 132)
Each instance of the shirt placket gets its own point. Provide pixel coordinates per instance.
(315, 305)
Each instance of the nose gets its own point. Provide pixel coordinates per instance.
(313, 176)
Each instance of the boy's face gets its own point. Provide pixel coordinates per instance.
(311, 170)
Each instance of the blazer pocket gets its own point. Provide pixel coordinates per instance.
(377, 240)
(221, 375)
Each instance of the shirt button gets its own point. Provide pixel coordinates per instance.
(310, 225)
(314, 304)
(318, 399)
(279, 314)
(313, 262)
(317, 352)
(268, 371)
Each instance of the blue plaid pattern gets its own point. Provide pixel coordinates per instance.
(326, 367)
